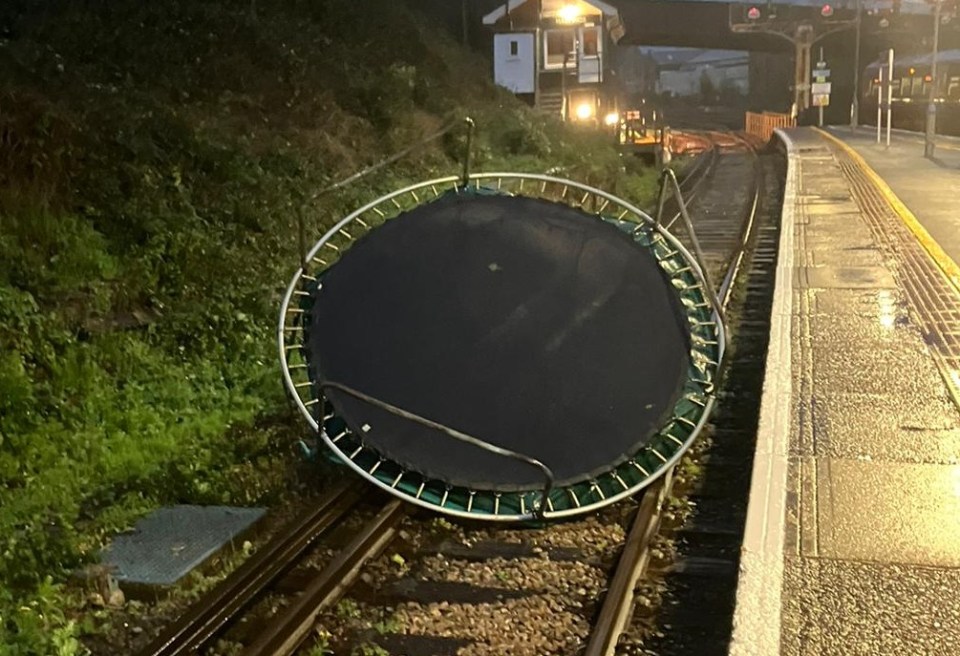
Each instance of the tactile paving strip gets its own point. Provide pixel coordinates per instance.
(933, 298)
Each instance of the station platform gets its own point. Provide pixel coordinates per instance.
(852, 542)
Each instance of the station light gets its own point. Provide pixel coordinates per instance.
(826, 11)
(568, 14)
(611, 119)
(753, 13)
(584, 111)
(912, 70)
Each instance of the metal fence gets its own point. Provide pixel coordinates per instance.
(762, 125)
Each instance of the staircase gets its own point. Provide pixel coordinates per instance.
(551, 102)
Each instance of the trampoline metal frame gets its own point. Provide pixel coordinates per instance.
(291, 331)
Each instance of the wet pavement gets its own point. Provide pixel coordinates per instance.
(929, 187)
(871, 530)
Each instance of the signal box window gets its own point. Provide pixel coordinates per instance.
(591, 42)
(559, 43)
(514, 48)
(953, 88)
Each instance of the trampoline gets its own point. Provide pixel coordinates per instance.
(518, 346)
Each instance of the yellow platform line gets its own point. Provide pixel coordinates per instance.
(943, 261)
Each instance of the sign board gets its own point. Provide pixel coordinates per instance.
(821, 99)
(821, 73)
(820, 88)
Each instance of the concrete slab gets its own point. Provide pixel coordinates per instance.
(886, 305)
(168, 543)
(842, 367)
(871, 511)
(870, 610)
(846, 277)
(888, 428)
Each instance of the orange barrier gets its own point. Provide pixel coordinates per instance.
(762, 125)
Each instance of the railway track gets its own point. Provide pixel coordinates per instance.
(444, 589)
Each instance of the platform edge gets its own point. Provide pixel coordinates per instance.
(756, 619)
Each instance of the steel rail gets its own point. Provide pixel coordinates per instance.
(746, 233)
(618, 602)
(284, 636)
(206, 618)
(617, 606)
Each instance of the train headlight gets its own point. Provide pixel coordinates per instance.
(584, 111)
(611, 119)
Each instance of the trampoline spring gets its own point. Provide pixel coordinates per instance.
(375, 467)
(443, 499)
(423, 484)
(521, 183)
(499, 184)
(396, 481)
(496, 503)
(308, 277)
(379, 212)
(658, 454)
(300, 292)
(623, 214)
(433, 188)
(311, 402)
(619, 480)
(470, 501)
(330, 415)
(680, 271)
(362, 222)
(292, 347)
(332, 246)
(692, 399)
(396, 204)
(346, 234)
(606, 201)
(639, 468)
(293, 310)
(584, 199)
(675, 439)
(339, 436)
(415, 197)
(293, 329)
(671, 254)
(549, 504)
(356, 452)
(595, 488)
(573, 497)
(563, 192)
(523, 504)
(306, 384)
(543, 187)
(296, 366)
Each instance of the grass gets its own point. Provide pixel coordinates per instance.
(154, 160)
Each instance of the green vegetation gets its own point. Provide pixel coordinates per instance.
(154, 159)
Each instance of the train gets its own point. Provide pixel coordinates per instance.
(910, 92)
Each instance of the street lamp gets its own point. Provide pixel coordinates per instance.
(928, 141)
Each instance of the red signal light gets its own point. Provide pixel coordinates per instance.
(928, 78)
(753, 13)
(826, 11)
